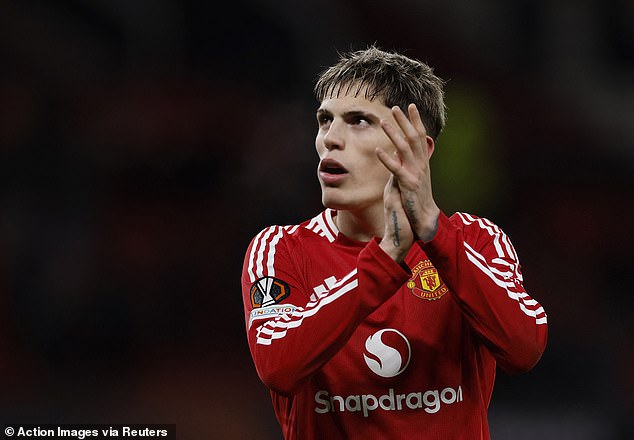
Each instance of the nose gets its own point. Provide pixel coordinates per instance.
(334, 139)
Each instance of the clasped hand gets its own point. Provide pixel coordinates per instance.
(409, 207)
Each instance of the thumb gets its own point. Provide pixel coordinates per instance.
(391, 187)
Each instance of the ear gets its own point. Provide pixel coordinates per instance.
(431, 146)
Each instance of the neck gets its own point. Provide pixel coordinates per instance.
(363, 224)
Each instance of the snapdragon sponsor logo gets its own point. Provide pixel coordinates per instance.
(387, 352)
(430, 401)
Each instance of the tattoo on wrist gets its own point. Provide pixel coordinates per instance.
(409, 208)
(396, 241)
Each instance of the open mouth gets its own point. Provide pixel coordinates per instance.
(331, 166)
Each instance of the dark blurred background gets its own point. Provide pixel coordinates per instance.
(144, 143)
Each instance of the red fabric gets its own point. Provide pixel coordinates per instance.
(360, 348)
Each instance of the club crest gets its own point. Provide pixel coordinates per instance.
(425, 282)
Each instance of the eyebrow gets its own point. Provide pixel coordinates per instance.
(350, 114)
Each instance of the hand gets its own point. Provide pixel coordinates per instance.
(410, 169)
(398, 236)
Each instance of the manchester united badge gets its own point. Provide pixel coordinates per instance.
(425, 282)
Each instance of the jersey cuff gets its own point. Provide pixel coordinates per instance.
(392, 268)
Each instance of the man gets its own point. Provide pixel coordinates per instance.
(381, 317)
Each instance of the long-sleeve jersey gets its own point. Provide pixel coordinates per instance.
(352, 344)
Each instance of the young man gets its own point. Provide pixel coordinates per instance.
(381, 317)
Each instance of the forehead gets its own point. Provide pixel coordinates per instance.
(353, 102)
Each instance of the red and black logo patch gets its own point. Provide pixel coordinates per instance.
(268, 291)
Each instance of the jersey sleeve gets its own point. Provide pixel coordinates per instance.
(292, 331)
(479, 264)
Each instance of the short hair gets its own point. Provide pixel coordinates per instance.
(391, 77)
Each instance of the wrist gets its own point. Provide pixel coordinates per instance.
(427, 230)
(397, 253)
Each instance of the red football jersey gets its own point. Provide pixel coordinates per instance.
(353, 345)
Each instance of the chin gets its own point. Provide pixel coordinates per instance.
(331, 203)
(333, 199)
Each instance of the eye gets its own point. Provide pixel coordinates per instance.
(361, 121)
(323, 119)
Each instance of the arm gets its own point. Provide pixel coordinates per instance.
(479, 264)
(289, 344)
(474, 257)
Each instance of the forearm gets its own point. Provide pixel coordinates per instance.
(488, 287)
(287, 350)
(424, 225)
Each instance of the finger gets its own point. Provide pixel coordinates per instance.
(416, 120)
(394, 182)
(398, 139)
(418, 124)
(389, 186)
(414, 138)
(391, 162)
(391, 193)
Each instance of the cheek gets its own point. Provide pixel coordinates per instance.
(319, 145)
(387, 145)
(376, 171)
(382, 174)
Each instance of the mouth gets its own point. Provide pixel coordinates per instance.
(331, 166)
(332, 173)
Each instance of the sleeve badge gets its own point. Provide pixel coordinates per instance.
(268, 291)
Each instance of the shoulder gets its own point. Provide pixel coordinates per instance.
(480, 232)
(282, 246)
(318, 230)
(321, 226)
(474, 224)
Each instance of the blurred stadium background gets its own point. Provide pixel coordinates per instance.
(143, 143)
